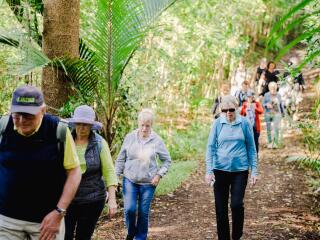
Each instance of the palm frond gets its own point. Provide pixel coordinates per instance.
(117, 31)
(274, 37)
(4, 39)
(289, 14)
(26, 13)
(33, 58)
(305, 61)
(297, 40)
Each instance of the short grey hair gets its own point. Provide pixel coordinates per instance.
(272, 85)
(229, 101)
(145, 115)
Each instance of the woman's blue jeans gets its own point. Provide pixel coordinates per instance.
(137, 196)
(234, 183)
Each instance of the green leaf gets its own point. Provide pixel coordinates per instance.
(4, 39)
(292, 11)
(294, 42)
(273, 38)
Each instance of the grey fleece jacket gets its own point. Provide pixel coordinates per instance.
(137, 160)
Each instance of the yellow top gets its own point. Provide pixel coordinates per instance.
(107, 166)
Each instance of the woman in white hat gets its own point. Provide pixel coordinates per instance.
(97, 174)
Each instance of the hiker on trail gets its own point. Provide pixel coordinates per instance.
(291, 92)
(137, 162)
(271, 76)
(273, 112)
(230, 154)
(224, 91)
(39, 170)
(240, 75)
(261, 84)
(241, 95)
(261, 69)
(97, 173)
(252, 109)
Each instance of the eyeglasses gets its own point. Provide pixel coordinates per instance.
(26, 116)
(228, 110)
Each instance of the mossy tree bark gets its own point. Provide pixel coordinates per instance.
(60, 38)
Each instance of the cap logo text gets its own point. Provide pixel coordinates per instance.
(26, 100)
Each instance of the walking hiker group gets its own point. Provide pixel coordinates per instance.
(233, 143)
(54, 182)
(56, 177)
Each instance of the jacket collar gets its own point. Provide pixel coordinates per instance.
(151, 137)
(223, 120)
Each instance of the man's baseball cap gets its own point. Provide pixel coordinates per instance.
(27, 99)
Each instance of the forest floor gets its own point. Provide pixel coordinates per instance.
(280, 206)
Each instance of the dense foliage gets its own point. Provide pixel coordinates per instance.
(189, 52)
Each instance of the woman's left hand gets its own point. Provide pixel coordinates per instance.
(156, 179)
(253, 181)
(112, 204)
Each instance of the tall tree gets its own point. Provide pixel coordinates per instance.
(60, 39)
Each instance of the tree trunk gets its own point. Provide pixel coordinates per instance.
(60, 38)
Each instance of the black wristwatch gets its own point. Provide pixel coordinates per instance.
(61, 211)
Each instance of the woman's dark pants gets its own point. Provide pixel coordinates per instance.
(81, 219)
(234, 183)
(256, 138)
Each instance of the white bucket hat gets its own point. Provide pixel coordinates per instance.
(85, 114)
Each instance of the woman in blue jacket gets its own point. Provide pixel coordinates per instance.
(230, 154)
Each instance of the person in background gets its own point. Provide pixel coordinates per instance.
(271, 76)
(252, 109)
(231, 153)
(298, 79)
(137, 162)
(241, 95)
(97, 173)
(261, 84)
(261, 69)
(297, 85)
(39, 170)
(224, 91)
(240, 75)
(273, 112)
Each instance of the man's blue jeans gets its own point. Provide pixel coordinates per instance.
(133, 195)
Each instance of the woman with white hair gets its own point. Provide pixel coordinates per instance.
(274, 110)
(137, 162)
(231, 153)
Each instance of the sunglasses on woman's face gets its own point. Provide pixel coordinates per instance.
(228, 110)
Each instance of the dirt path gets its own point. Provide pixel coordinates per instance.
(279, 207)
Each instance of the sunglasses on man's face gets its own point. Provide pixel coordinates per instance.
(27, 116)
(228, 110)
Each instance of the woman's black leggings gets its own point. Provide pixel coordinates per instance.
(234, 183)
(81, 220)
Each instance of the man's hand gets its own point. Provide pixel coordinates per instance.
(155, 181)
(50, 226)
